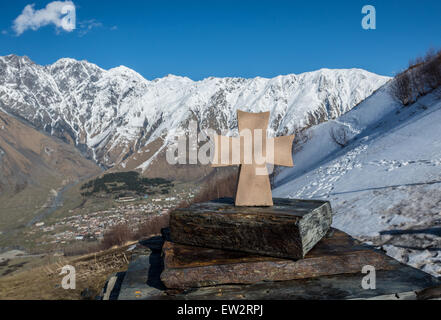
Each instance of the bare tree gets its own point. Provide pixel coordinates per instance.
(339, 136)
(402, 89)
(422, 76)
(417, 80)
(432, 71)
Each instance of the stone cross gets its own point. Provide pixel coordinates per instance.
(252, 150)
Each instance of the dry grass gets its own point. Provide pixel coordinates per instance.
(123, 233)
(119, 235)
(44, 282)
(152, 226)
(81, 248)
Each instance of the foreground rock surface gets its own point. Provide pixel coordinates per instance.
(289, 229)
(191, 267)
(142, 282)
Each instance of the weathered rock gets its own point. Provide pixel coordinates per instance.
(289, 229)
(141, 281)
(338, 253)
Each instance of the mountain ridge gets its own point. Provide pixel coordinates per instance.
(122, 120)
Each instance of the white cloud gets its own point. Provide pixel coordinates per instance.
(62, 14)
(86, 26)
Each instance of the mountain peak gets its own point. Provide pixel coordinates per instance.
(172, 77)
(13, 58)
(69, 62)
(66, 61)
(123, 71)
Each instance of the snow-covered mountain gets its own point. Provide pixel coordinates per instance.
(122, 120)
(380, 166)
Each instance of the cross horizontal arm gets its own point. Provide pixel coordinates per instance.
(282, 155)
(230, 151)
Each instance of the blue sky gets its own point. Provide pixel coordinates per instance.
(199, 39)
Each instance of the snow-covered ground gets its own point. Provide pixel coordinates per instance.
(385, 184)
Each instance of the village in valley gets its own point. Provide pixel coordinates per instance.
(92, 226)
(132, 201)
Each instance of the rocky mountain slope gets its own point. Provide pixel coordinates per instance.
(33, 166)
(123, 121)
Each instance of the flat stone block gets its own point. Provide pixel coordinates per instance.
(289, 229)
(192, 267)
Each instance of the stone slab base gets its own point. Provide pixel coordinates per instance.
(338, 253)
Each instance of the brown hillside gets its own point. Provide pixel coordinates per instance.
(32, 165)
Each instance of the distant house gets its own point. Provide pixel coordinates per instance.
(126, 199)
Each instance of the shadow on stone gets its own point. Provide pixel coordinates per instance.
(155, 260)
(154, 243)
(436, 231)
